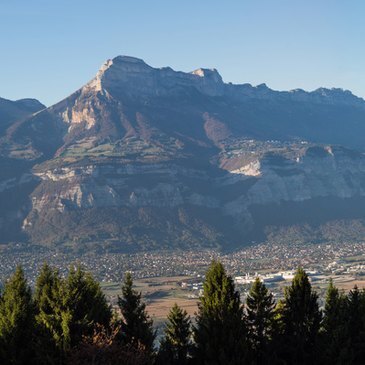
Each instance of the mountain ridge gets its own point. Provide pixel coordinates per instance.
(155, 158)
(321, 93)
(11, 111)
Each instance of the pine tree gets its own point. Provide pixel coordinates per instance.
(84, 305)
(220, 332)
(49, 312)
(334, 337)
(67, 310)
(136, 327)
(332, 309)
(301, 320)
(16, 321)
(260, 307)
(356, 325)
(176, 343)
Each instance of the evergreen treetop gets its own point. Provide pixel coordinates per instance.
(16, 321)
(137, 326)
(220, 332)
(301, 319)
(335, 344)
(176, 342)
(260, 307)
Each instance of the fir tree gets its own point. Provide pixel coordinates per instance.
(356, 325)
(49, 309)
(67, 310)
(220, 332)
(16, 321)
(84, 305)
(176, 343)
(136, 327)
(260, 307)
(301, 318)
(333, 310)
(334, 335)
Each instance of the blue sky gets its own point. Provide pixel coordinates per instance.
(50, 48)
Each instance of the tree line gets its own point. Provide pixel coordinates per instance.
(67, 320)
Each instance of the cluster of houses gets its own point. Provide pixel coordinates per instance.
(270, 278)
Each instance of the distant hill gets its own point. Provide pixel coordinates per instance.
(147, 158)
(11, 111)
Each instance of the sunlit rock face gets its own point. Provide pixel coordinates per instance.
(133, 76)
(155, 158)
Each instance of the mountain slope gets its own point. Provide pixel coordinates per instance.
(11, 111)
(154, 158)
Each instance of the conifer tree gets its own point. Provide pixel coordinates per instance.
(176, 343)
(49, 311)
(334, 342)
(84, 305)
(301, 318)
(260, 307)
(136, 327)
(67, 309)
(356, 325)
(220, 332)
(332, 309)
(16, 321)
(354, 313)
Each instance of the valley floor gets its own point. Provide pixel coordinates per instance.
(168, 277)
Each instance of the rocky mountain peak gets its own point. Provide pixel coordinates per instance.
(208, 73)
(132, 76)
(122, 64)
(128, 59)
(120, 69)
(155, 151)
(336, 94)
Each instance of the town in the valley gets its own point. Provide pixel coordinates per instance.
(167, 277)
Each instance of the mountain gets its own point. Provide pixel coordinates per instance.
(10, 111)
(13, 171)
(152, 158)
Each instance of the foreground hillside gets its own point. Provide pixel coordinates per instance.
(147, 158)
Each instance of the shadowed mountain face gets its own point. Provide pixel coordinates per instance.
(11, 111)
(153, 158)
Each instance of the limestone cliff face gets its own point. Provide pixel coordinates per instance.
(132, 76)
(96, 186)
(144, 154)
(320, 172)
